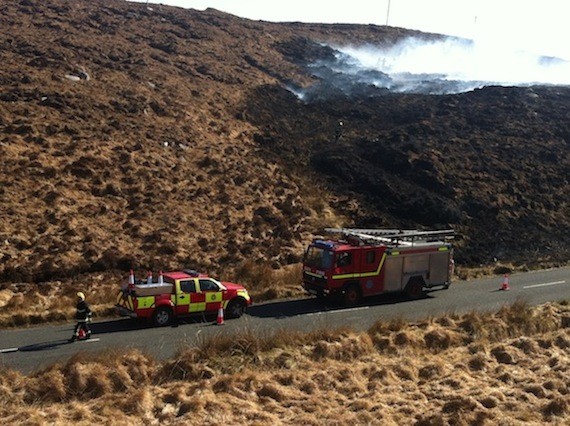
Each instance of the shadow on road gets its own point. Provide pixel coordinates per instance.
(43, 346)
(290, 308)
(118, 325)
(129, 324)
(114, 326)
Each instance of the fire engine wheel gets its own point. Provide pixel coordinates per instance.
(352, 295)
(162, 317)
(236, 308)
(415, 289)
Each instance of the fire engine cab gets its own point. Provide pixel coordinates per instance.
(368, 262)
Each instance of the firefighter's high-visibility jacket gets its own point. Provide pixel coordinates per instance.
(83, 311)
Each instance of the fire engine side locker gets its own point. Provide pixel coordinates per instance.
(393, 272)
(439, 270)
(400, 266)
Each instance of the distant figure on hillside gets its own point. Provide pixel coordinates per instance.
(338, 131)
(83, 316)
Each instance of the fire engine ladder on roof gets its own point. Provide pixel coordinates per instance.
(403, 237)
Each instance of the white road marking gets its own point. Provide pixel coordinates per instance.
(544, 284)
(338, 311)
(91, 340)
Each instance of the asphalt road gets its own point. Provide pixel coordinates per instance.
(32, 349)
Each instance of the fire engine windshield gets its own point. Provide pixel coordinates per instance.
(317, 257)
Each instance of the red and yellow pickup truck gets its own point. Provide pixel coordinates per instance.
(178, 294)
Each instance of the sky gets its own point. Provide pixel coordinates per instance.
(539, 27)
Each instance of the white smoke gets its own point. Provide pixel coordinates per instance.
(462, 60)
(449, 65)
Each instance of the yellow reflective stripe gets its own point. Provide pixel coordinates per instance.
(197, 307)
(395, 253)
(242, 293)
(125, 300)
(145, 302)
(363, 274)
(443, 248)
(372, 274)
(314, 275)
(343, 276)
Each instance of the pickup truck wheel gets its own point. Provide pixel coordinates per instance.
(162, 317)
(236, 308)
(415, 289)
(352, 295)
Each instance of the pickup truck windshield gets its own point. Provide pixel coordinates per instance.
(317, 257)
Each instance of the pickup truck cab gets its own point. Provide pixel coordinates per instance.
(179, 294)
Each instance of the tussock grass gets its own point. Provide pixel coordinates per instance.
(474, 328)
(26, 304)
(472, 272)
(266, 283)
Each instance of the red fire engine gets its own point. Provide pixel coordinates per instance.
(367, 262)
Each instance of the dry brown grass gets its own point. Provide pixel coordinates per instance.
(26, 304)
(266, 283)
(498, 268)
(435, 371)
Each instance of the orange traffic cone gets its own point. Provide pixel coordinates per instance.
(220, 319)
(505, 285)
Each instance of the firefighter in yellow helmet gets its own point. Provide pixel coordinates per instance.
(83, 316)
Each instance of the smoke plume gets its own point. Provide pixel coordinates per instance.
(442, 66)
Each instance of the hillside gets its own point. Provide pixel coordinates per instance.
(147, 136)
